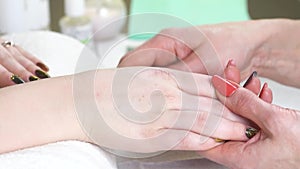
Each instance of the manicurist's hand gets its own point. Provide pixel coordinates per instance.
(202, 49)
(276, 145)
(18, 66)
(261, 45)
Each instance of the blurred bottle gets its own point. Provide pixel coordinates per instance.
(76, 23)
(106, 17)
(24, 15)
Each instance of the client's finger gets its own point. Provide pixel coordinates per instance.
(193, 83)
(231, 72)
(253, 83)
(194, 141)
(209, 124)
(266, 94)
(241, 101)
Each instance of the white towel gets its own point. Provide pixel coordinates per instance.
(60, 155)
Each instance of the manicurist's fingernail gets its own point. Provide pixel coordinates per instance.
(253, 74)
(43, 66)
(217, 140)
(41, 74)
(33, 78)
(224, 87)
(16, 79)
(251, 132)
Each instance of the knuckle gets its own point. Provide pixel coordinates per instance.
(23, 73)
(4, 57)
(29, 66)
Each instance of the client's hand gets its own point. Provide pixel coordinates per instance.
(138, 109)
(18, 66)
(146, 109)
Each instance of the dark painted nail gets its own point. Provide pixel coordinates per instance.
(16, 79)
(217, 140)
(251, 132)
(33, 78)
(43, 66)
(41, 74)
(254, 74)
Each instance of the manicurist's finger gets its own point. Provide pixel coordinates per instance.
(160, 51)
(7, 78)
(191, 63)
(33, 59)
(228, 154)
(25, 62)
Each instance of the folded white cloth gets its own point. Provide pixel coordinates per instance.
(60, 155)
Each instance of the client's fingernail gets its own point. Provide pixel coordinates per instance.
(265, 86)
(43, 66)
(16, 79)
(41, 74)
(231, 63)
(254, 74)
(33, 78)
(251, 132)
(226, 88)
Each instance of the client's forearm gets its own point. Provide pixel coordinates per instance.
(38, 113)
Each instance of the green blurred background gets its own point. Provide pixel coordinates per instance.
(202, 11)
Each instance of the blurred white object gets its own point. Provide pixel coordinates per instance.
(107, 17)
(76, 23)
(19, 16)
